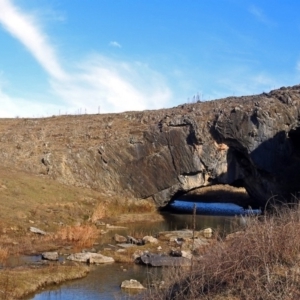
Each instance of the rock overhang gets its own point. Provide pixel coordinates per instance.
(156, 154)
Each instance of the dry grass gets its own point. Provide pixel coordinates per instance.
(262, 262)
(16, 283)
(4, 253)
(29, 200)
(76, 236)
(81, 236)
(116, 206)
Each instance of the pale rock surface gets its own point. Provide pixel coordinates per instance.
(132, 284)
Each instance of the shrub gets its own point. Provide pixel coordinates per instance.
(262, 262)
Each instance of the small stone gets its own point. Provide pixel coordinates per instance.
(207, 233)
(186, 254)
(121, 250)
(150, 240)
(120, 239)
(137, 254)
(50, 255)
(132, 284)
(36, 230)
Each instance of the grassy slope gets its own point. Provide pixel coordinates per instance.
(25, 198)
(16, 283)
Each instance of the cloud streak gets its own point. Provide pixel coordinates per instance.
(115, 86)
(25, 28)
(260, 16)
(115, 44)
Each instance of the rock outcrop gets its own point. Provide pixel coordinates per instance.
(252, 141)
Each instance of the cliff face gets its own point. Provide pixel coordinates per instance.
(251, 140)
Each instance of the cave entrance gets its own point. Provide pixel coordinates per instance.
(294, 136)
(218, 193)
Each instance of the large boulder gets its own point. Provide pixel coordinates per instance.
(89, 257)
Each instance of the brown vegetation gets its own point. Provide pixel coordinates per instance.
(16, 283)
(81, 236)
(68, 216)
(117, 207)
(262, 262)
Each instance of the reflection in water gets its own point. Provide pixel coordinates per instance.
(214, 208)
(103, 282)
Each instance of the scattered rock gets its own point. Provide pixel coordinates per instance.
(156, 260)
(175, 253)
(97, 258)
(38, 231)
(207, 233)
(92, 258)
(120, 239)
(50, 256)
(179, 234)
(186, 254)
(121, 250)
(132, 284)
(125, 245)
(150, 240)
(137, 254)
(135, 241)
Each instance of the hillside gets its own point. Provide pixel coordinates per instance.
(247, 141)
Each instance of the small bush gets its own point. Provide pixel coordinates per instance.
(4, 253)
(82, 236)
(118, 206)
(262, 262)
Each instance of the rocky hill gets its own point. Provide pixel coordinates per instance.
(251, 141)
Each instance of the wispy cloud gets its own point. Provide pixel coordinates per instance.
(25, 28)
(260, 16)
(20, 107)
(98, 81)
(243, 81)
(114, 86)
(115, 44)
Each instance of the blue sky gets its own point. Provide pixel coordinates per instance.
(74, 56)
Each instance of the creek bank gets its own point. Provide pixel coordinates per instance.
(18, 282)
(153, 243)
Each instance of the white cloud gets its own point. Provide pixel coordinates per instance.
(260, 16)
(19, 107)
(246, 82)
(115, 44)
(98, 81)
(25, 28)
(114, 86)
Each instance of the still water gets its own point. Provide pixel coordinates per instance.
(103, 282)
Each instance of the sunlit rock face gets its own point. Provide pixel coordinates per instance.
(252, 140)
